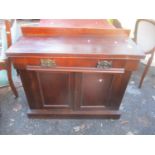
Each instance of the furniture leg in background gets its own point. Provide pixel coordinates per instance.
(146, 68)
(6, 65)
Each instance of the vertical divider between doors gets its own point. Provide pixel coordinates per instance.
(77, 90)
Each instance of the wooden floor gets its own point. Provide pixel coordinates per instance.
(138, 114)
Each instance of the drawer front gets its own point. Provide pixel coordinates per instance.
(67, 62)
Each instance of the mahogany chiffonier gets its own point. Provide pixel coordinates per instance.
(73, 72)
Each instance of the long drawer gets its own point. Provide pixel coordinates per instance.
(23, 62)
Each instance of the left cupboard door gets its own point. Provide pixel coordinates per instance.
(49, 89)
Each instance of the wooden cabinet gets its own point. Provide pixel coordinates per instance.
(74, 76)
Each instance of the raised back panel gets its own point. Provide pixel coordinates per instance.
(59, 31)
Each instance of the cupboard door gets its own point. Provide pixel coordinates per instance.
(75, 88)
(95, 90)
(55, 89)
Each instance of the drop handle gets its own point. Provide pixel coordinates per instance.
(104, 64)
(47, 63)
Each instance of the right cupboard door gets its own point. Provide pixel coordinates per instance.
(100, 91)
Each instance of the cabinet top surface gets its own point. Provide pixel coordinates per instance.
(75, 37)
(79, 45)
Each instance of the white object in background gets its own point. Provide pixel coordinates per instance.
(128, 24)
(3, 42)
(146, 38)
(15, 32)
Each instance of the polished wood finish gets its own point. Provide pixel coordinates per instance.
(151, 52)
(5, 64)
(69, 47)
(74, 83)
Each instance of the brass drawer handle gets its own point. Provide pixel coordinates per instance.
(104, 64)
(48, 63)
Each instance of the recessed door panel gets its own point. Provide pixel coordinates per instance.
(55, 89)
(95, 89)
